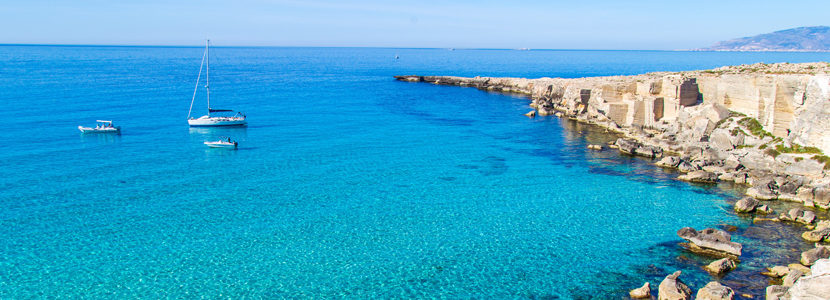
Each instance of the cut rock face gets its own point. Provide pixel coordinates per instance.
(715, 240)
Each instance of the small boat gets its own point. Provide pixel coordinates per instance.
(222, 143)
(102, 126)
(207, 120)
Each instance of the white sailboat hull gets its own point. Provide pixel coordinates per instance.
(206, 121)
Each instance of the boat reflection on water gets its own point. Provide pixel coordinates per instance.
(100, 138)
(238, 132)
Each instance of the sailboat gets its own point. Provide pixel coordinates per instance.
(207, 120)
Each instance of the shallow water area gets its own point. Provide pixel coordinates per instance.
(346, 183)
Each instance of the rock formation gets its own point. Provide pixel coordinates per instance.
(715, 291)
(809, 257)
(642, 292)
(671, 288)
(762, 125)
(813, 286)
(714, 240)
(720, 266)
(746, 205)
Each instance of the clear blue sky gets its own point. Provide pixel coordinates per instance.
(574, 24)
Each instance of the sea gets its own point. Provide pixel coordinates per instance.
(346, 183)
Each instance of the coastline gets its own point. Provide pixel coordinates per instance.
(759, 126)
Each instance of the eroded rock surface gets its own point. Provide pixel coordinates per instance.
(712, 239)
(672, 288)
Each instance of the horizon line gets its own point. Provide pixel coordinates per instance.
(393, 47)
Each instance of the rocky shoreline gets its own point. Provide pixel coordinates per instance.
(764, 126)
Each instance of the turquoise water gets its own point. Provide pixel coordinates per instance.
(346, 183)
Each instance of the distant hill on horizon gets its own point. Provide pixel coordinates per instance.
(816, 38)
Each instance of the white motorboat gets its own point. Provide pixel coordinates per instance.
(223, 143)
(102, 126)
(208, 120)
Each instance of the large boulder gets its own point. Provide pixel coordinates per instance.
(671, 288)
(720, 266)
(633, 147)
(806, 217)
(721, 139)
(775, 292)
(713, 240)
(715, 291)
(699, 176)
(791, 186)
(777, 271)
(820, 233)
(813, 286)
(764, 189)
(805, 167)
(809, 257)
(642, 292)
(821, 195)
(791, 277)
(686, 167)
(746, 205)
(798, 215)
(668, 162)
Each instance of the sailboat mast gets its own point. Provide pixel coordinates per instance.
(196, 88)
(207, 78)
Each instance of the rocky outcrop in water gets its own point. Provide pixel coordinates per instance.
(763, 125)
(720, 266)
(746, 205)
(710, 240)
(715, 291)
(642, 292)
(671, 288)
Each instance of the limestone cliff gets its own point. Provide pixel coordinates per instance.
(766, 125)
(791, 101)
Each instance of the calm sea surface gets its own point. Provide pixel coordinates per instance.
(346, 183)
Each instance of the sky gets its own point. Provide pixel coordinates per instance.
(575, 24)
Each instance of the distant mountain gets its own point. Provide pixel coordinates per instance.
(815, 38)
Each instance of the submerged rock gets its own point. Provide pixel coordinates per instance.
(711, 239)
(671, 288)
(715, 291)
(641, 292)
(720, 266)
